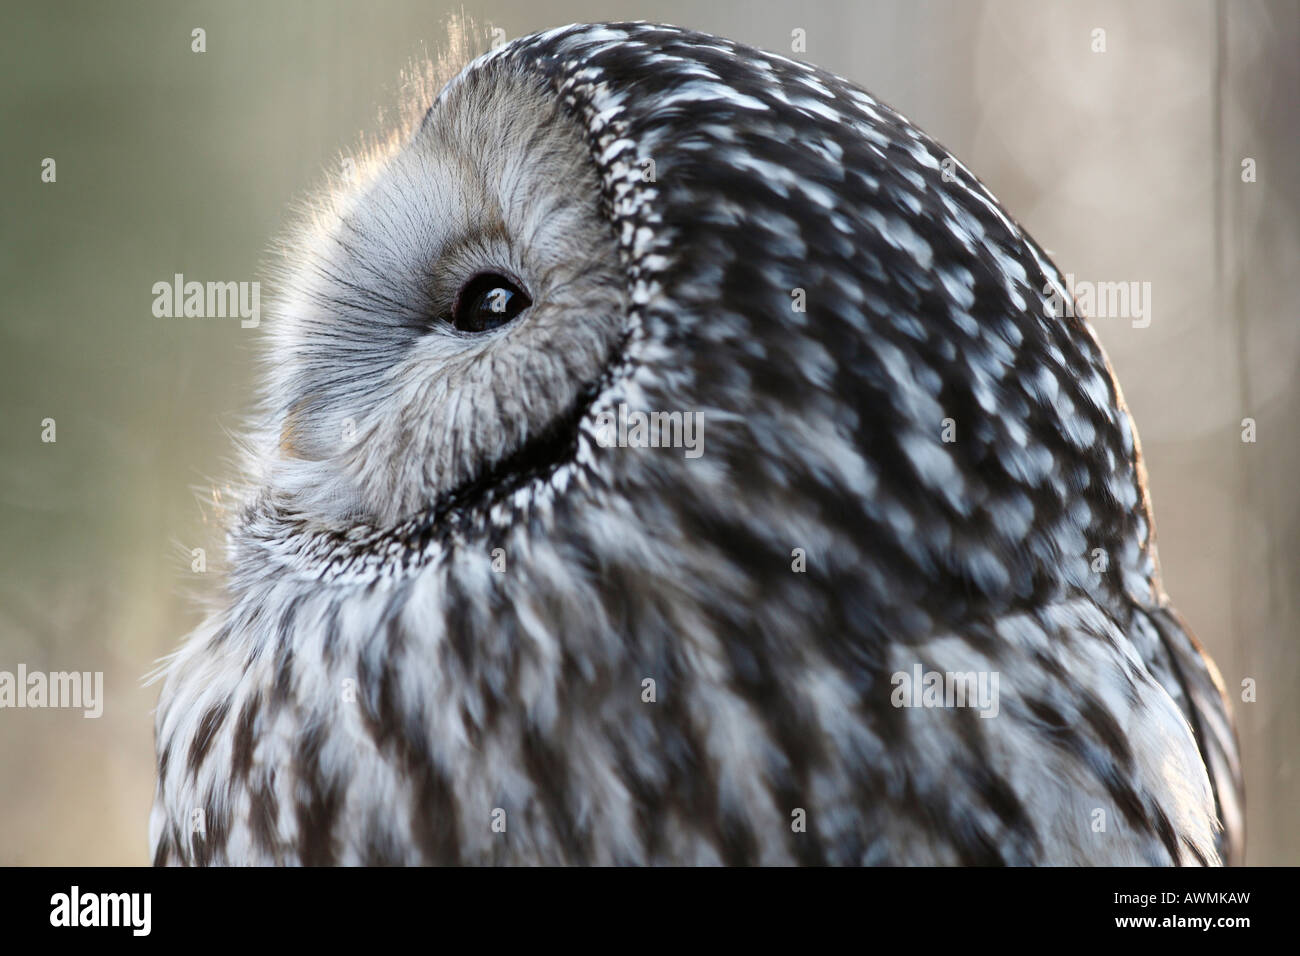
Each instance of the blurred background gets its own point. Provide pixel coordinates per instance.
(1125, 164)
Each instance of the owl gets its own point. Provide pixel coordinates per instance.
(668, 454)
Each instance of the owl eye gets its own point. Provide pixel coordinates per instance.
(486, 302)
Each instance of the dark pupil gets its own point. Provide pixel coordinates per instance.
(488, 301)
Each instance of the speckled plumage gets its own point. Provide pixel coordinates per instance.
(370, 689)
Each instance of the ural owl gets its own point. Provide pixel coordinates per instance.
(470, 616)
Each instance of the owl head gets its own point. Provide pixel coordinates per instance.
(631, 218)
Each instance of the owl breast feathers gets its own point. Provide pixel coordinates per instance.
(899, 603)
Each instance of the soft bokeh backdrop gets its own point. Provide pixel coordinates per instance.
(1125, 164)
